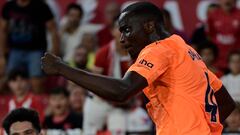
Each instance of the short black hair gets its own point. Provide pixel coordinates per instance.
(60, 91)
(75, 6)
(147, 10)
(20, 115)
(208, 45)
(13, 74)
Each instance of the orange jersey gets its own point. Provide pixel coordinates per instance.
(180, 89)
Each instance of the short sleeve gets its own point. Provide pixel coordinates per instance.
(151, 64)
(215, 82)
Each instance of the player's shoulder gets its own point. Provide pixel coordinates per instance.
(156, 48)
(174, 44)
(167, 47)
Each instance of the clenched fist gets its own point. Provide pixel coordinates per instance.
(50, 64)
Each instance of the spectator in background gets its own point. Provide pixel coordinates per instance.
(61, 118)
(223, 29)
(79, 59)
(23, 31)
(232, 80)
(22, 122)
(90, 42)
(209, 54)
(71, 31)
(169, 26)
(20, 86)
(112, 10)
(233, 120)
(77, 98)
(128, 118)
(199, 34)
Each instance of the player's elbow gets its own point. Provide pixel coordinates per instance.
(123, 94)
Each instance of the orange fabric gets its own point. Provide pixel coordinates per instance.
(181, 103)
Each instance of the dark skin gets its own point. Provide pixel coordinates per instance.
(225, 103)
(134, 36)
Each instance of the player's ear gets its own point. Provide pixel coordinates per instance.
(149, 27)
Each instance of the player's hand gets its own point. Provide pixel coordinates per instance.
(50, 63)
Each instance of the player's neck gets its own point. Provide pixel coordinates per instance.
(156, 37)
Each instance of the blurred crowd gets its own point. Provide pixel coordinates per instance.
(28, 29)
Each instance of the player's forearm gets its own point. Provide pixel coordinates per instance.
(106, 87)
(225, 103)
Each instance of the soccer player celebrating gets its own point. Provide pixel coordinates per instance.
(185, 97)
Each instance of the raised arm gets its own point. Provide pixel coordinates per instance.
(225, 103)
(106, 87)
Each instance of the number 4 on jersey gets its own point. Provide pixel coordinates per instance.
(210, 106)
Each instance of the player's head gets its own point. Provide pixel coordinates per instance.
(140, 24)
(18, 82)
(59, 101)
(74, 14)
(208, 52)
(22, 122)
(234, 62)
